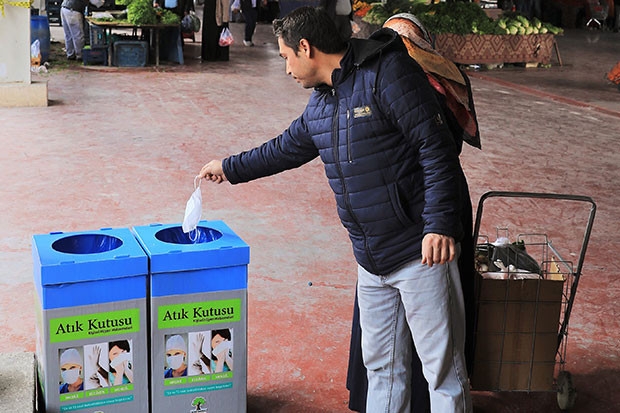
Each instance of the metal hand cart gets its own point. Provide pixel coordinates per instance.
(525, 290)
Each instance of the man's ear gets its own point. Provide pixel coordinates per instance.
(304, 47)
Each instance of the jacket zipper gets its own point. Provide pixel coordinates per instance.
(341, 174)
(349, 155)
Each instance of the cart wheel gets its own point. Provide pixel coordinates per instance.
(566, 392)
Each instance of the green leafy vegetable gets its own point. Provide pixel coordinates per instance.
(141, 12)
(458, 17)
(168, 17)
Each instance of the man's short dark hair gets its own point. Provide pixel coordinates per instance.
(312, 24)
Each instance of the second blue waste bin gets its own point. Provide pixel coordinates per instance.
(198, 300)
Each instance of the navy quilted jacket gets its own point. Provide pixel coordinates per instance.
(388, 154)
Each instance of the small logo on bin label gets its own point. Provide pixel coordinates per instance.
(199, 405)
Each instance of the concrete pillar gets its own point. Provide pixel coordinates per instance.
(16, 87)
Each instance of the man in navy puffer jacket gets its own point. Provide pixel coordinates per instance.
(389, 157)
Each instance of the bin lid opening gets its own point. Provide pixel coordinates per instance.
(175, 235)
(87, 244)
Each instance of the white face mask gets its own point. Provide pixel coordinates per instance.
(176, 361)
(193, 210)
(121, 357)
(223, 346)
(70, 376)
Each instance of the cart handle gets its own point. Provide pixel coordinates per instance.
(539, 195)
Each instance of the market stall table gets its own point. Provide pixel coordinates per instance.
(109, 26)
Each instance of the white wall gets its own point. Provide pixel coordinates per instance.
(15, 45)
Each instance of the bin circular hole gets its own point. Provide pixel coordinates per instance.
(175, 235)
(87, 244)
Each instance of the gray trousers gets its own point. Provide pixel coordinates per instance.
(73, 25)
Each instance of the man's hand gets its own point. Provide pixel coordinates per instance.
(213, 172)
(437, 249)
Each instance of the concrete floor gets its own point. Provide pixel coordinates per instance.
(120, 147)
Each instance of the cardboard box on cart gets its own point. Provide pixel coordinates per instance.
(198, 317)
(516, 333)
(91, 321)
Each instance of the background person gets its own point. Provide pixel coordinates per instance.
(215, 17)
(72, 18)
(393, 165)
(249, 11)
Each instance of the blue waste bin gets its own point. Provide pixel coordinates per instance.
(92, 321)
(198, 300)
(40, 30)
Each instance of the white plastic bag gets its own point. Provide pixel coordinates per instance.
(193, 210)
(35, 49)
(226, 38)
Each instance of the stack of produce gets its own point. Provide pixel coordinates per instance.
(455, 17)
(142, 12)
(520, 25)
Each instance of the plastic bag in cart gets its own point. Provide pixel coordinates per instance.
(509, 256)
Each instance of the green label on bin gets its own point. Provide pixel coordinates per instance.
(121, 389)
(191, 314)
(97, 392)
(175, 381)
(67, 397)
(80, 327)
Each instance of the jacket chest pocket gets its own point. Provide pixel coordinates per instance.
(356, 132)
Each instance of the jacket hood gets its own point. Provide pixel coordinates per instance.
(382, 40)
(363, 51)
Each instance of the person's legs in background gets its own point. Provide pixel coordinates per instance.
(250, 14)
(73, 26)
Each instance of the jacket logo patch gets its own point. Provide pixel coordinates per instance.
(362, 112)
(438, 120)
